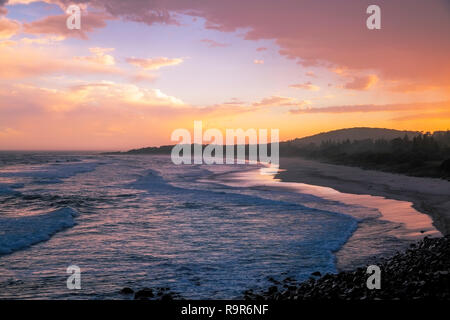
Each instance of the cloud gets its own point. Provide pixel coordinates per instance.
(362, 83)
(8, 28)
(440, 115)
(21, 100)
(403, 50)
(154, 63)
(374, 108)
(26, 61)
(7, 43)
(42, 40)
(56, 25)
(235, 101)
(117, 93)
(143, 77)
(306, 86)
(106, 114)
(214, 44)
(260, 49)
(256, 61)
(274, 101)
(12, 2)
(99, 115)
(100, 56)
(406, 87)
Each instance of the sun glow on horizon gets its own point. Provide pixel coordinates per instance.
(129, 77)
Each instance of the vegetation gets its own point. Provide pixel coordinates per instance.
(422, 155)
(407, 152)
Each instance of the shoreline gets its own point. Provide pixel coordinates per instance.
(385, 225)
(420, 272)
(427, 195)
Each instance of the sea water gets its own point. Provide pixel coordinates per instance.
(141, 221)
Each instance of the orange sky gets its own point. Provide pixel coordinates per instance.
(136, 72)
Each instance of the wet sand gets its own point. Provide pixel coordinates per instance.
(427, 195)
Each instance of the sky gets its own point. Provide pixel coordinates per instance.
(138, 70)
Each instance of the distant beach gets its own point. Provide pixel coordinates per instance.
(385, 224)
(417, 272)
(428, 195)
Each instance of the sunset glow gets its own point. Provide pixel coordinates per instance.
(132, 74)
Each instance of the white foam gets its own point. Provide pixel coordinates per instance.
(21, 232)
(52, 173)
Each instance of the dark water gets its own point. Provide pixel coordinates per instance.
(140, 221)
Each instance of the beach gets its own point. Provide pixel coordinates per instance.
(418, 272)
(428, 195)
(145, 228)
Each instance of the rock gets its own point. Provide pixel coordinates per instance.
(422, 271)
(144, 294)
(166, 297)
(316, 274)
(127, 290)
(273, 281)
(272, 289)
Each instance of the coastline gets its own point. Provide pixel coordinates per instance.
(418, 272)
(428, 195)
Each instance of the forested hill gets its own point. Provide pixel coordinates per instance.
(422, 155)
(407, 152)
(361, 133)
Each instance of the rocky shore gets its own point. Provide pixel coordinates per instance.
(421, 272)
(160, 293)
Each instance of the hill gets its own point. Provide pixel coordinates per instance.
(352, 134)
(407, 152)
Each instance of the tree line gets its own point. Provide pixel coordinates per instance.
(427, 154)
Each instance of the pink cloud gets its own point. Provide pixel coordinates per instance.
(27, 62)
(440, 115)
(89, 116)
(412, 45)
(99, 55)
(362, 83)
(8, 28)
(306, 86)
(154, 63)
(143, 77)
(274, 101)
(56, 25)
(101, 115)
(213, 43)
(374, 108)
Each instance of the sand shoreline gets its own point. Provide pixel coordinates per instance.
(428, 195)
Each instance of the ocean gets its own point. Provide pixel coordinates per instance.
(206, 232)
